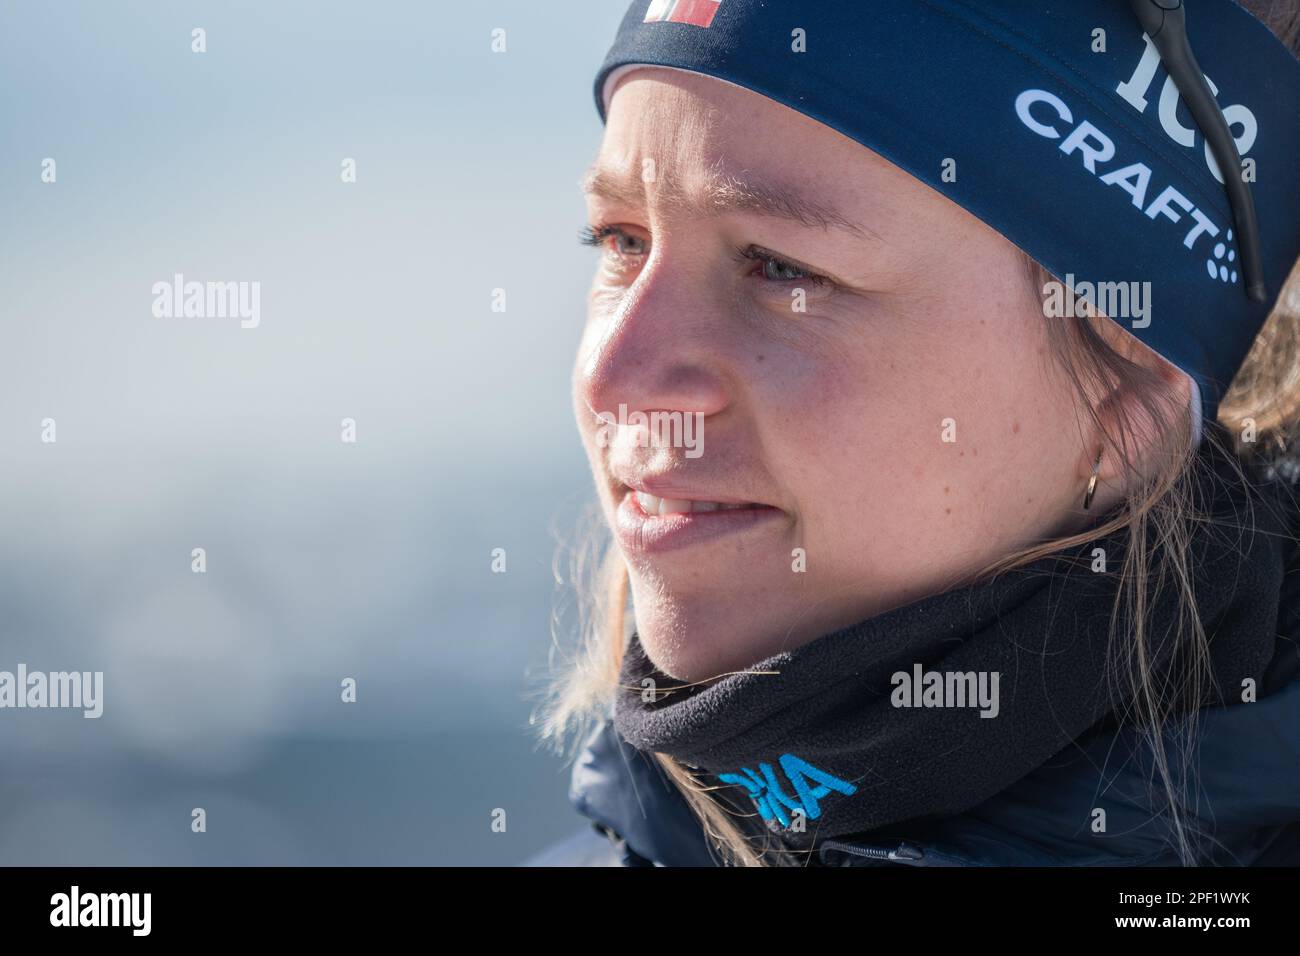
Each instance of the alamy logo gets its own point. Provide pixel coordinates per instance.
(75, 908)
(955, 689)
(656, 429)
(1115, 300)
(810, 784)
(78, 690)
(179, 299)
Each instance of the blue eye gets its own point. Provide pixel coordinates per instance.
(596, 236)
(780, 271)
(776, 269)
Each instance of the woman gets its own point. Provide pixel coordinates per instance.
(929, 563)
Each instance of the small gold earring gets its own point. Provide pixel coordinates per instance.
(1092, 482)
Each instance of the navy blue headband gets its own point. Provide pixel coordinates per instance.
(1088, 161)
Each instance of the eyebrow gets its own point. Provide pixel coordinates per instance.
(723, 193)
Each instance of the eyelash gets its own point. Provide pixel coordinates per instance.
(596, 235)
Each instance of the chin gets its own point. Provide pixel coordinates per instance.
(682, 663)
(694, 644)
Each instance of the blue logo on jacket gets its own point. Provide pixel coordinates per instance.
(810, 784)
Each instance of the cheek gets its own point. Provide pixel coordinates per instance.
(921, 437)
(839, 426)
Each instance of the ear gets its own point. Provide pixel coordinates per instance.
(1148, 444)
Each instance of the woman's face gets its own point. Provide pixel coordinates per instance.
(860, 356)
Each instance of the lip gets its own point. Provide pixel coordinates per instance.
(664, 486)
(644, 533)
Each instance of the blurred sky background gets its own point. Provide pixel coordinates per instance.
(324, 559)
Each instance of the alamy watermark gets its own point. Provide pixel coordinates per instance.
(1115, 300)
(129, 910)
(656, 429)
(179, 299)
(78, 690)
(922, 688)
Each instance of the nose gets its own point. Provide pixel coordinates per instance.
(660, 346)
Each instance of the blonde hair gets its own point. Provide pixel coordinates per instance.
(1261, 411)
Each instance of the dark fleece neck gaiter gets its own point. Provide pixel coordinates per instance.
(931, 708)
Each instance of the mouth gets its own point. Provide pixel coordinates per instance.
(652, 505)
(655, 524)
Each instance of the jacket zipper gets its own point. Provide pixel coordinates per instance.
(903, 853)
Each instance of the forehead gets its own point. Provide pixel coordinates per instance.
(688, 132)
(697, 122)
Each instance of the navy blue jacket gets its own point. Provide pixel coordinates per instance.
(1246, 807)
